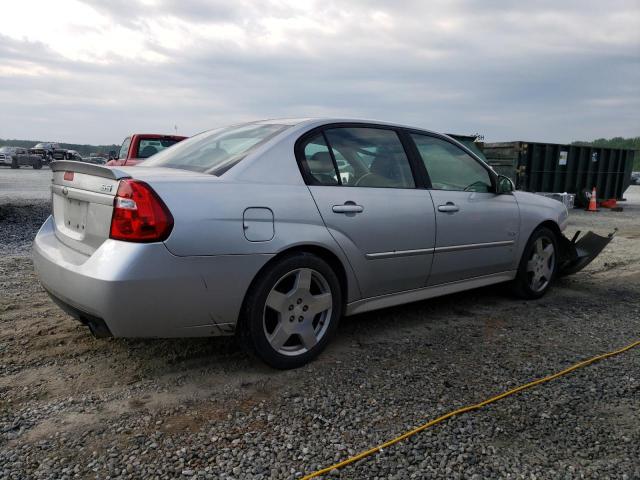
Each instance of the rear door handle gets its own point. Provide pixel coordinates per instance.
(348, 207)
(448, 207)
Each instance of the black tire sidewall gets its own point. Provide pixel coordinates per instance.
(251, 324)
(522, 282)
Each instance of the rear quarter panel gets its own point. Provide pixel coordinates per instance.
(208, 219)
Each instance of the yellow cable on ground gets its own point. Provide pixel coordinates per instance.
(419, 429)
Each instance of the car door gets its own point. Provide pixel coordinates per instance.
(477, 229)
(363, 185)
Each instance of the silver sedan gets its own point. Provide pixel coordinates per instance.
(273, 230)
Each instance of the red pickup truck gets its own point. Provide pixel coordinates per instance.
(140, 146)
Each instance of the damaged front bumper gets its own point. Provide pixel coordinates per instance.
(577, 254)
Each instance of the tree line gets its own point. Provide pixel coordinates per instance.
(85, 150)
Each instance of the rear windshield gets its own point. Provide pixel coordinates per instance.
(217, 150)
(151, 146)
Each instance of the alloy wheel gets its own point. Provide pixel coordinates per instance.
(541, 264)
(297, 312)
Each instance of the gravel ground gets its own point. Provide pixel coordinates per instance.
(72, 406)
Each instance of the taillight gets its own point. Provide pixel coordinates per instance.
(139, 215)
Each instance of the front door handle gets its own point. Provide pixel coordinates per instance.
(348, 207)
(448, 207)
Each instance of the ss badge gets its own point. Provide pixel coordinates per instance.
(106, 188)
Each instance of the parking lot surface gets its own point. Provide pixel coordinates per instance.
(24, 183)
(72, 406)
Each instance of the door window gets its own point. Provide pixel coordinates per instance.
(124, 149)
(364, 157)
(451, 168)
(318, 163)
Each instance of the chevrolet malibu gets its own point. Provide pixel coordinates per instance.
(273, 230)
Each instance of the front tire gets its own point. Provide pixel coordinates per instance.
(538, 266)
(291, 311)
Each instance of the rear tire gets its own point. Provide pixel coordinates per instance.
(538, 265)
(37, 165)
(14, 163)
(291, 311)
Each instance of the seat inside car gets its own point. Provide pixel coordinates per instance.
(322, 169)
(386, 171)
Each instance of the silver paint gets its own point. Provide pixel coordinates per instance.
(394, 245)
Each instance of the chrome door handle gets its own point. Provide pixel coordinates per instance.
(448, 207)
(348, 208)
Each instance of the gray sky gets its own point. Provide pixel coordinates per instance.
(92, 71)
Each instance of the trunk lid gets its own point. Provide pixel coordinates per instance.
(82, 199)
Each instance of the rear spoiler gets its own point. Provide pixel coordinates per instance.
(577, 254)
(89, 169)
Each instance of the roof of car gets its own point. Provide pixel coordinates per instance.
(318, 121)
(159, 135)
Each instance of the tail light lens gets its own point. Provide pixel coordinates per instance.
(139, 215)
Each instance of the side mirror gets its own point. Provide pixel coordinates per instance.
(504, 185)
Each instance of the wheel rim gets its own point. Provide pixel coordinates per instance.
(297, 312)
(541, 264)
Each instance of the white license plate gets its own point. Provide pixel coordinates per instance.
(75, 215)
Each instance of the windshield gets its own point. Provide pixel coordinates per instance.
(217, 150)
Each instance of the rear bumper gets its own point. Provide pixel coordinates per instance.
(97, 325)
(142, 290)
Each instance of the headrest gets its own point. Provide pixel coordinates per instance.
(320, 162)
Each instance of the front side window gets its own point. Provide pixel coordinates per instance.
(124, 149)
(451, 168)
(364, 157)
(217, 150)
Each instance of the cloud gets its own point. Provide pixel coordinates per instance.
(547, 71)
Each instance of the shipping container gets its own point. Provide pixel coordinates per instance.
(549, 167)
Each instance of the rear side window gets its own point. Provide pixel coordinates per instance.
(451, 168)
(359, 157)
(318, 163)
